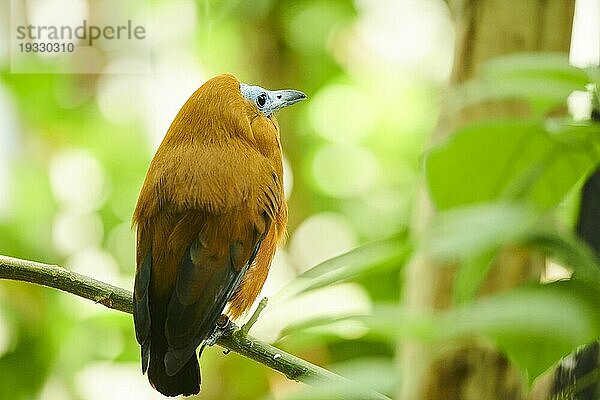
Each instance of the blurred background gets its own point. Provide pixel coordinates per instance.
(74, 150)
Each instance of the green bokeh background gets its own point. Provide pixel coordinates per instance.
(74, 150)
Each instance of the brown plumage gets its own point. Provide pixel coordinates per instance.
(209, 217)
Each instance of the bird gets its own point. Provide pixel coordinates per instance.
(210, 215)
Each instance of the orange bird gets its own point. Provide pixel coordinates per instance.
(210, 214)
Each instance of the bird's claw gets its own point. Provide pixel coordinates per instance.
(223, 326)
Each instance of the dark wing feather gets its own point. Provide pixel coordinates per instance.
(205, 283)
(141, 309)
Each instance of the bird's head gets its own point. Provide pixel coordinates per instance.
(223, 108)
(269, 101)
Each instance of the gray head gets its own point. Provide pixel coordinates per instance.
(269, 101)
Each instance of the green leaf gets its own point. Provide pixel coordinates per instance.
(465, 232)
(535, 326)
(546, 66)
(579, 135)
(362, 373)
(390, 322)
(569, 308)
(387, 322)
(472, 236)
(512, 159)
(542, 94)
(544, 79)
(387, 253)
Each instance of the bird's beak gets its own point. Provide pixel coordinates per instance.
(284, 98)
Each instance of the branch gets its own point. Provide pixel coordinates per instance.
(120, 299)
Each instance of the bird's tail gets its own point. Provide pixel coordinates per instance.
(185, 382)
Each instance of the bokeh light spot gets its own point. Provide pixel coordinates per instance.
(93, 261)
(77, 180)
(288, 178)
(176, 77)
(321, 17)
(380, 212)
(580, 105)
(344, 170)
(54, 388)
(332, 301)
(320, 237)
(115, 381)
(73, 231)
(121, 244)
(8, 149)
(409, 34)
(342, 113)
(121, 97)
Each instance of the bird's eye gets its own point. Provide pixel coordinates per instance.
(261, 99)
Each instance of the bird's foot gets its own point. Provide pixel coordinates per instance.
(223, 326)
(261, 306)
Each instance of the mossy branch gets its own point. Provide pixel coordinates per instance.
(120, 299)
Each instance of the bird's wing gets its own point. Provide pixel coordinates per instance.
(210, 272)
(141, 307)
(203, 215)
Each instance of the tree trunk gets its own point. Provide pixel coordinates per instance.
(471, 368)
